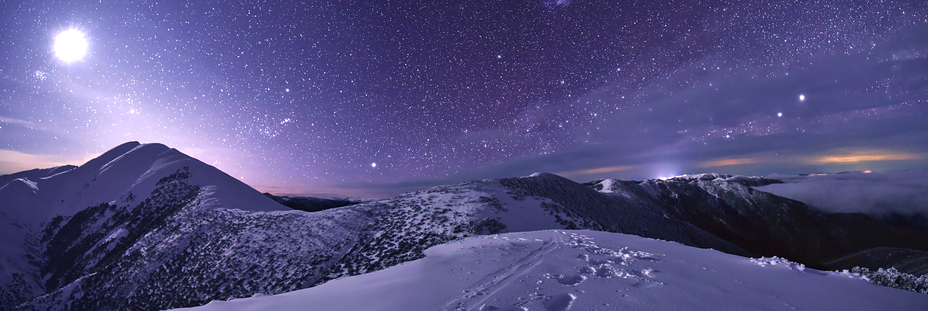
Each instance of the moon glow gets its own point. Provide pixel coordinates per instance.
(70, 45)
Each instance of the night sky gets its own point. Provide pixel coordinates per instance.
(372, 98)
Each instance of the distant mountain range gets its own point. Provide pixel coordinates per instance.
(311, 204)
(145, 226)
(768, 225)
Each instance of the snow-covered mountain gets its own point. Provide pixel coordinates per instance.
(768, 225)
(62, 223)
(587, 270)
(144, 226)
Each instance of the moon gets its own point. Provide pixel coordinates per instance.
(70, 45)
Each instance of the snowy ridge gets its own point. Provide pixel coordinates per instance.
(173, 232)
(587, 270)
(179, 245)
(189, 252)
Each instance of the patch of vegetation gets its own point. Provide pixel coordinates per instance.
(492, 202)
(483, 226)
(895, 279)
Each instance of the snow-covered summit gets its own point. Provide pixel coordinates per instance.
(705, 177)
(129, 182)
(128, 170)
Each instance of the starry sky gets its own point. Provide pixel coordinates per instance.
(374, 98)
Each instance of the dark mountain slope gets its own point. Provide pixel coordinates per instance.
(903, 259)
(765, 224)
(590, 209)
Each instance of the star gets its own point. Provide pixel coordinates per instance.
(482, 93)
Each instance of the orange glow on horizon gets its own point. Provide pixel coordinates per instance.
(598, 170)
(867, 156)
(727, 162)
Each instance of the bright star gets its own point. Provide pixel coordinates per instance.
(70, 45)
(802, 97)
(779, 114)
(374, 165)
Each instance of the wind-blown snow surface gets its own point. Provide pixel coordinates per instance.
(586, 270)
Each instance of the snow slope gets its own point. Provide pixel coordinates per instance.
(587, 270)
(125, 175)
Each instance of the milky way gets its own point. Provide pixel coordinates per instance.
(372, 98)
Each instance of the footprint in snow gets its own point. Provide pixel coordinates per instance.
(569, 280)
(559, 302)
(587, 270)
(604, 271)
(509, 308)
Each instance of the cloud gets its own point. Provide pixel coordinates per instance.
(29, 125)
(25, 123)
(874, 193)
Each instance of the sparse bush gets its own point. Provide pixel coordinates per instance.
(895, 279)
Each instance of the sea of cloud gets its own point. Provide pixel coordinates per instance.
(875, 193)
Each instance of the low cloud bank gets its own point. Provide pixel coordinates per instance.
(876, 193)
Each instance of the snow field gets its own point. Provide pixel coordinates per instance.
(586, 270)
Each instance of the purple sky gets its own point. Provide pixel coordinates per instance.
(372, 98)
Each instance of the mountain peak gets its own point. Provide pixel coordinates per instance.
(750, 181)
(111, 154)
(130, 169)
(544, 175)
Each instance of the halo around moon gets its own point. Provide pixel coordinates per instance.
(70, 45)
